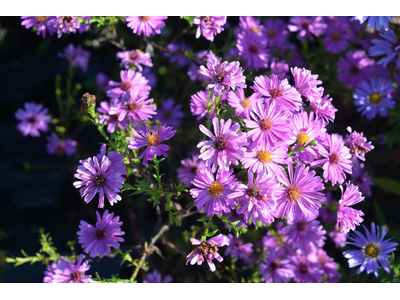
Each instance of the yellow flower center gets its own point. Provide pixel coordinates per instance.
(254, 29)
(153, 140)
(144, 19)
(41, 19)
(293, 193)
(375, 98)
(215, 189)
(302, 138)
(246, 103)
(264, 156)
(372, 250)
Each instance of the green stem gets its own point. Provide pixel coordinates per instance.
(157, 168)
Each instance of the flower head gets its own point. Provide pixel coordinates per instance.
(34, 118)
(67, 24)
(191, 167)
(377, 23)
(243, 105)
(358, 144)
(354, 68)
(156, 277)
(41, 23)
(337, 37)
(238, 249)
(76, 56)
(252, 48)
(209, 26)
(57, 146)
(148, 25)
(199, 105)
(275, 268)
(347, 217)
(251, 24)
(170, 113)
(305, 270)
(135, 58)
(129, 79)
(110, 112)
(307, 27)
(276, 32)
(305, 82)
(68, 272)
(389, 47)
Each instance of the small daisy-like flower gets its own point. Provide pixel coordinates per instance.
(305, 270)
(109, 114)
(207, 249)
(224, 76)
(34, 118)
(269, 124)
(170, 113)
(67, 24)
(279, 68)
(243, 105)
(156, 277)
(322, 106)
(215, 195)
(97, 240)
(252, 48)
(143, 137)
(57, 146)
(347, 217)
(238, 249)
(191, 167)
(358, 144)
(300, 197)
(307, 27)
(278, 91)
(336, 161)
(374, 97)
(337, 37)
(135, 58)
(148, 25)
(305, 82)
(101, 174)
(199, 105)
(375, 250)
(41, 23)
(76, 56)
(326, 263)
(249, 23)
(389, 47)
(68, 272)
(257, 198)
(274, 268)
(226, 147)
(209, 26)
(49, 272)
(339, 238)
(129, 79)
(276, 32)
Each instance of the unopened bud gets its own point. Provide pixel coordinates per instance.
(87, 101)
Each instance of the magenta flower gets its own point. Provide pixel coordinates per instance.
(243, 105)
(207, 249)
(67, 24)
(226, 147)
(326, 264)
(135, 58)
(129, 79)
(305, 82)
(57, 146)
(101, 174)
(156, 277)
(215, 195)
(34, 118)
(257, 198)
(253, 48)
(170, 113)
(110, 113)
(135, 107)
(68, 272)
(339, 238)
(307, 27)
(279, 68)
(41, 23)
(358, 144)
(238, 249)
(249, 23)
(300, 195)
(209, 26)
(279, 91)
(348, 217)
(143, 137)
(269, 125)
(97, 240)
(305, 270)
(336, 161)
(149, 25)
(199, 105)
(276, 33)
(224, 76)
(322, 106)
(76, 56)
(275, 268)
(191, 167)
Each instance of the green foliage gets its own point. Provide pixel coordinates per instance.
(188, 19)
(103, 21)
(390, 186)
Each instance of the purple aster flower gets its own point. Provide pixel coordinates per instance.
(279, 91)
(307, 27)
(300, 197)
(252, 48)
(361, 178)
(101, 174)
(135, 58)
(170, 113)
(69, 272)
(377, 23)
(275, 240)
(77, 57)
(34, 118)
(347, 217)
(135, 107)
(305, 82)
(41, 23)
(110, 113)
(148, 25)
(56, 146)
(224, 76)
(193, 70)
(358, 144)
(209, 26)
(143, 137)
(238, 249)
(226, 147)
(275, 268)
(156, 277)
(129, 79)
(337, 37)
(374, 97)
(102, 81)
(207, 249)
(276, 33)
(243, 105)
(301, 232)
(65, 24)
(336, 161)
(215, 195)
(199, 105)
(177, 54)
(269, 125)
(355, 68)
(326, 264)
(249, 23)
(279, 68)
(257, 198)
(97, 240)
(322, 106)
(374, 250)
(268, 158)
(305, 270)
(339, 238)
(191, 167)
(50, 269)
(389, 47)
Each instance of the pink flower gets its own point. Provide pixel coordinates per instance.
(348, 217)
(146, 25)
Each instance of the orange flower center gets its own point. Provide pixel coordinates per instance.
(144, 19)
(293, 193)
(264, 156)
(215, 189)
(302, 138)
(41, 19)
(246, 103)
(153, 140)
